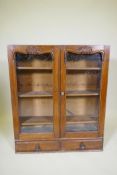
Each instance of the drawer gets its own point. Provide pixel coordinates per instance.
(82, 145)
(37, 146)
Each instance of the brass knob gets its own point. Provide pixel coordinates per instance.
(62, 93)
(82, 146)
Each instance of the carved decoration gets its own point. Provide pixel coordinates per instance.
(32, 50)
(86, 49)
(84, 52)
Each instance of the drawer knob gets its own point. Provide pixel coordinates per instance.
(82, 146)
(37, 148)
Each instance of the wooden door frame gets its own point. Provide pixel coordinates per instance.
(12, 49)
(13, 87)
(85, 49)
(103, 89)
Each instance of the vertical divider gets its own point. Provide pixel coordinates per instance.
(56, 91)
(63, 95)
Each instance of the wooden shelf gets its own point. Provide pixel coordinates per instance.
(35, 68)
(48, 120)
(50, 69)
(38, 120)
(33, 94)
(81, 119)
(49, 94)
(84, 69)
(81, 93)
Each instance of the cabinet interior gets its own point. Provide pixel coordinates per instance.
(35, 90)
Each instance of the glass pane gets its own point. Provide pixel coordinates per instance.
(81, 127)
(35, 92)
(81, 114)
(34, 82)
(34, 60)
(83, 75)
(34, 117)
(74, 60)
(83, 80)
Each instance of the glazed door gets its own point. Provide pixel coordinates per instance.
(36, 113)
(81, 70)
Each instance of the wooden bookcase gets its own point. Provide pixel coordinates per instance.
(58, 96)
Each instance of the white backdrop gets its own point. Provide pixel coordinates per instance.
(57, 22)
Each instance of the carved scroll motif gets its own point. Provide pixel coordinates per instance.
(86, 49)
(33, 50)
(89, 50)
